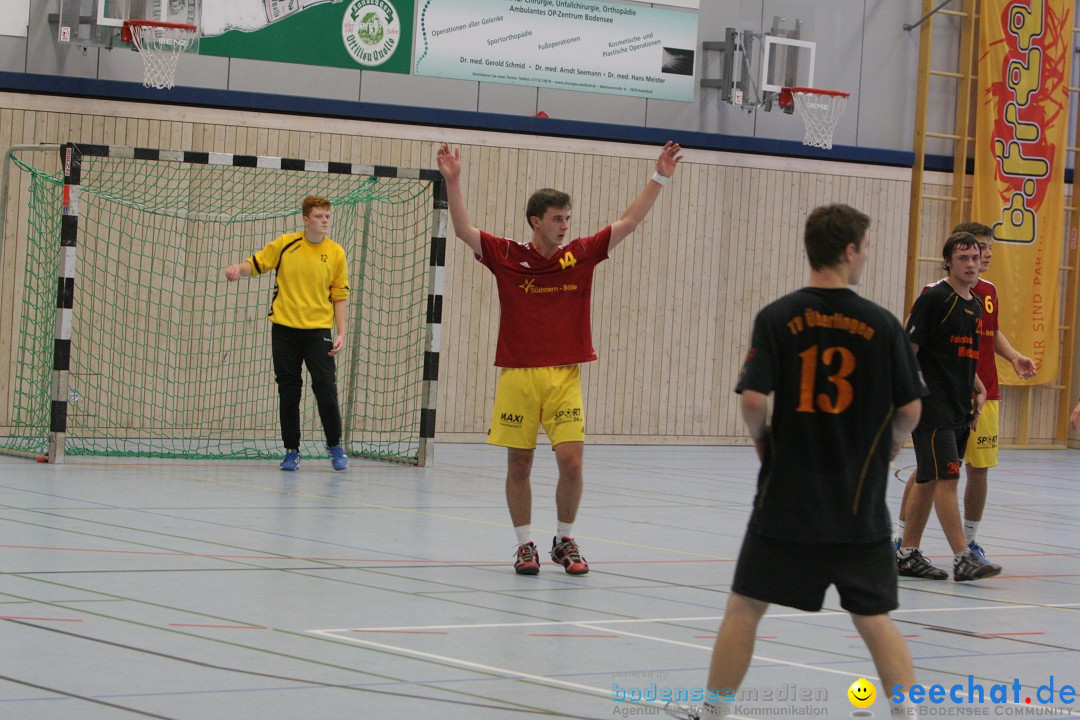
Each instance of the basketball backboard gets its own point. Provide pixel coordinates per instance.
(755, 67)
(97, 23)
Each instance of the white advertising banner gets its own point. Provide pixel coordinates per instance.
(603, 47)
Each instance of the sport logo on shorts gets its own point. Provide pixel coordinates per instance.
(511, 419)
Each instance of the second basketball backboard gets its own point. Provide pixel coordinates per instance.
(97, 23)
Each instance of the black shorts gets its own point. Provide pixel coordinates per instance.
(798, 574)
(939, 452)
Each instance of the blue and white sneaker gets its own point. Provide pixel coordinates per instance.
(291, 461)
(897, 543)
(338, 458)
(977, 551)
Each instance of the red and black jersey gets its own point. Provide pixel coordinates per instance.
(947, 329)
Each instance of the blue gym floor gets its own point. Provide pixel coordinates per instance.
(233, 590)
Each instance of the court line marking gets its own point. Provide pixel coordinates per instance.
(460, 662)
(700, 618)
(468, 664)
(505, 672)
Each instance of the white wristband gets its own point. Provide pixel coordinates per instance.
(660, 179)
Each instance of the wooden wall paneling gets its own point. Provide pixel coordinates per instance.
(630, 276)
(690, 312)
(701, 306)
(704, 186)
(610, 328)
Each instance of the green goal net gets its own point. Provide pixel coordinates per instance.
(169, 359)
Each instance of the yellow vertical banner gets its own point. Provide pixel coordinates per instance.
(1021, 134)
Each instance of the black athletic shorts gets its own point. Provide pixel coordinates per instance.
(798, 574)
(939, 452)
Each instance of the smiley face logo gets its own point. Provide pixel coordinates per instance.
(862, 693)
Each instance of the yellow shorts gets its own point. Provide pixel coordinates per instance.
(982, 447)
(527, 397)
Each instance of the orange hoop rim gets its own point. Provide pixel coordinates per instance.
(787, 94)
(126, 33)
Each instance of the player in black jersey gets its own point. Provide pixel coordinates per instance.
(846, 394)
(945, 326)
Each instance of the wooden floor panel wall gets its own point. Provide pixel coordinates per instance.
(672, 308)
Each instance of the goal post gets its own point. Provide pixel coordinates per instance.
(141, 347)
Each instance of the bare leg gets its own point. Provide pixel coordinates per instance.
(907, 493)
(518, 489)
(918, 512)
(975, 493)
(948, 512)
(569, 456)
(888, 649)
(735, 642)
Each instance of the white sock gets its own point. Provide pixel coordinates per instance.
(714, 710)
(903, 710)
(524, 533)
(970, 528)
(565, 530)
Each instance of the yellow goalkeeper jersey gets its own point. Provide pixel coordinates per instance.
(310, 277)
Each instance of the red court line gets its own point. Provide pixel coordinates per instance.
(570, 635)
(218, 627)
(39, 619)
(405, 632)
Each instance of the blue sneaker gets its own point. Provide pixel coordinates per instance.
(977, 551)
(338, 458)
(896, 543)
(291, 461)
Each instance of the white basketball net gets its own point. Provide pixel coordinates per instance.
(820, 113)
(161, 48)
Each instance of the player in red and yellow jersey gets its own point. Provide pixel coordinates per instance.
(545, 289)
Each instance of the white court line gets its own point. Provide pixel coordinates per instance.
(701, 618)
(468, 664)
(605, 693)
(708, 648)
(505, 672)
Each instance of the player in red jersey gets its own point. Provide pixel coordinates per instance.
(545, 290)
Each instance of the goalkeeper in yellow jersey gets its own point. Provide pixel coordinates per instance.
(311, 292)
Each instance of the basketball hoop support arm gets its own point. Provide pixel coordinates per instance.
(927, 16)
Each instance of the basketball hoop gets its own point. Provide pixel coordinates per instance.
(819, 109)
(160, 44)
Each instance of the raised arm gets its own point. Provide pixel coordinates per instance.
(642, 204)
(1024, 366)
(450, 167)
